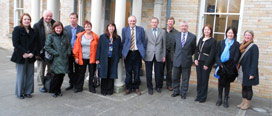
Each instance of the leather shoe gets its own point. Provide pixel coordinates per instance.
(127, 92)
(196, 99)
(43, 90)
(175, 94)
(69, 87)
(28, 95)
(77, 90)
(158, 90)
(138, 92)
(92, 91)
(150, 92)
(170, 88)
(54, 95)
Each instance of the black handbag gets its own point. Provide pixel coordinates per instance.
(96, 79)
(47, 56)
(48, 81)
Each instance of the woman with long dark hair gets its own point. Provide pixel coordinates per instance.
(107, 56)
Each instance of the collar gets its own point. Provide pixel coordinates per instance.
(72, 27)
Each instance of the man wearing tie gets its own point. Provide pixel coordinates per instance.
(133, 41)
(155, 54)
(72, 30)
(185, 44)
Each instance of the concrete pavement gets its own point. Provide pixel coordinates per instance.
(89, 104)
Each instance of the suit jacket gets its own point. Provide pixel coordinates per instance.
(140, 40)
(208, 51)
(183, 55)
(68, 30)
(155, 46)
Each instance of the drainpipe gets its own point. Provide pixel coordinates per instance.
(75, 6)
(168, 10)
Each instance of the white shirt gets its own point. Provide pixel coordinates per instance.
(136, 48)
(155, 32)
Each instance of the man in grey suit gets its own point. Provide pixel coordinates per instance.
(185, 44)
(155, 54)
(72, 30)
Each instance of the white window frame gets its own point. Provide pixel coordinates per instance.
(17, 11)
(202, 13)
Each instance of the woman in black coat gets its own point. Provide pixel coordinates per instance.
(107, 56)
(249, 66)
(25, 49)
(227, 56)
(204, 60)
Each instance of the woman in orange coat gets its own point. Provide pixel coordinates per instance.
(85, 52)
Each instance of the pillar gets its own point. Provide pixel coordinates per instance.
(158, 9)
(137, 11)
(54, 7)
(96, 10)
(35, 11)
(120, 18)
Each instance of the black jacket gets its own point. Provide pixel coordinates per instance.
(234, 52)
(208, 51)
(39, 29)
(23, 42)
(249, 65)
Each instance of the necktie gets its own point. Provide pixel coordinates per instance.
(183, 40)
(132, 46)
(154, 33)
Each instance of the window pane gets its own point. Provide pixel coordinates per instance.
(209, 19)
(220, 23)
(219, 37)
(234, 6)
(233, 21)
(222, 6)
(210, 6)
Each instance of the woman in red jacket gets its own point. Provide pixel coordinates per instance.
(85, 52)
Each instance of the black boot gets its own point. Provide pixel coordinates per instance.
(226, 102)
(219, 101)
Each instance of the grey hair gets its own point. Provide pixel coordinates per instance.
(249, 31)
(47, 11)
(155, 18)
(184, 21)
(131, 17)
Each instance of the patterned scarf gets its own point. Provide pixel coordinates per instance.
(244, 45)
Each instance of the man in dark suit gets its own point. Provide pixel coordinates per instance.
(133, 41)
(185, 44)
(42, 29)
(155, 54)
(72, 30)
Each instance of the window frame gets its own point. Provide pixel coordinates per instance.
(203, 12)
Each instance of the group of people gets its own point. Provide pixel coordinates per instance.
(74, 48)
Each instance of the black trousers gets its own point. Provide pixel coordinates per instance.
(202, 81)
(81, 75)
(107, 84)
(247, 92)
(133, 64)
(56, 83)
(169, 67)
(73, 70)
(158, 73)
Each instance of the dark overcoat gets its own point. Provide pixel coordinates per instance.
(102, 55)
(249, 65)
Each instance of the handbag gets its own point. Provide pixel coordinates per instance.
(239, 67)
(96, 79)
(48, 81)
(47, 56)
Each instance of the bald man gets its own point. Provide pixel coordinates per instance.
(43, 28)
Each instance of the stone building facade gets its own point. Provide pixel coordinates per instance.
(253, 15)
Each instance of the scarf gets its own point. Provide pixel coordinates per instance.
(244, 45)
(226, 53)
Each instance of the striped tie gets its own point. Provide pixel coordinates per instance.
(132, 46)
